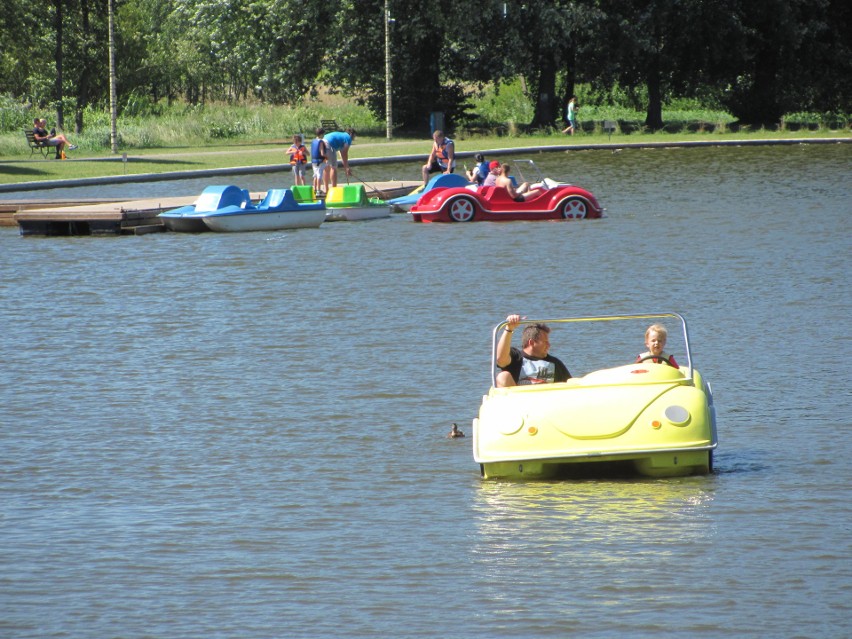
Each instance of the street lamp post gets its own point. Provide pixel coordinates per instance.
(113, 107)
(388, 89)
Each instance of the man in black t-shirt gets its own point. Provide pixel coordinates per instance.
(530, 364)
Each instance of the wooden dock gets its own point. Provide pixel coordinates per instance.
(122, 217)
(133, 217)
(8, 208)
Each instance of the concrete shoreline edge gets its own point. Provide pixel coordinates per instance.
(418, 157)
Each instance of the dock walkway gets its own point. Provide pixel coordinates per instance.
(123, 217)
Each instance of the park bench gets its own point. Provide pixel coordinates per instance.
(329, 125)
(35, 145)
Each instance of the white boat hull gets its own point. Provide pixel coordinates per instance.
(356, 213)
(184, 224)
(264, 221)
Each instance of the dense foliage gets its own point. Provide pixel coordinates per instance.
(759, 60)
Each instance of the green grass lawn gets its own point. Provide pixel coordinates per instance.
(18, 165)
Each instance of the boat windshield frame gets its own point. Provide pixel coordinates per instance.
(527, 171)
(495, 335)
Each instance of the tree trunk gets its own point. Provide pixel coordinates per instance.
(545, 105)
(654, 118)
(85, 74)
(766, 108)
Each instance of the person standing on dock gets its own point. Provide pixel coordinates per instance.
(442, 157)
(298, 159)
(319, 160)
(339, 141)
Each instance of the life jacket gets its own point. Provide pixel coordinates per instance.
(480, 173)
(441, 152)
(317, 147)
(664, 358)
(299, 156)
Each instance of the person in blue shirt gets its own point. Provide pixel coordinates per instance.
(319, 160)
(339, 142)
(478, 173)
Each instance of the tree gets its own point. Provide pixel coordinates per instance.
(544, 44)
(796, 56)
(17, 59)
(418, 37)
(672, 47)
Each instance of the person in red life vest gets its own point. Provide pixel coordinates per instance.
(530, 364)
(442, 158)
(298, 153)
(655, 342)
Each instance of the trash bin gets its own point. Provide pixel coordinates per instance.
(436, 121)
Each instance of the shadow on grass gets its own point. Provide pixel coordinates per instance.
(9, 169)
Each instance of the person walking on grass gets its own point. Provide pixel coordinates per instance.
(571, 116)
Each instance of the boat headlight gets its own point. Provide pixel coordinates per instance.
(677, 415)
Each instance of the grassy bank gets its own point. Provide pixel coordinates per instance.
(271, 152)
(158, 138)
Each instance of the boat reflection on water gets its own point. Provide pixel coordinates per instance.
(594, 559)
(594, 517)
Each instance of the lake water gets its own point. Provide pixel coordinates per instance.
(244, 436)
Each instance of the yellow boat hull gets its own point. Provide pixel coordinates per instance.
(648, 419)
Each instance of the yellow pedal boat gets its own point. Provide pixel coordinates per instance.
(643, 418)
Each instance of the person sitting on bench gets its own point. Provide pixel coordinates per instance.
(41, 135)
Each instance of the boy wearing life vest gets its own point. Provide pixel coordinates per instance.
(442, 157)
(655, 341)
(319, 160)
(298, 159)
